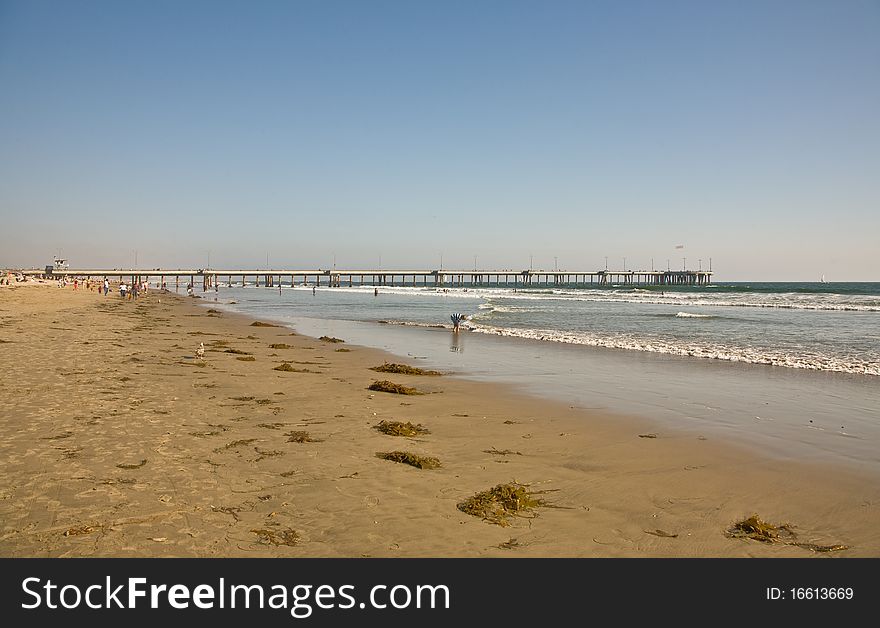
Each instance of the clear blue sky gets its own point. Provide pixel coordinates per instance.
(748, 132)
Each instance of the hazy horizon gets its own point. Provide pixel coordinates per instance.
(566, 131)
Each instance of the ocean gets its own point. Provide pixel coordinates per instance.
(791, 367)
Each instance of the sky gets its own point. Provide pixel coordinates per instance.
(399, 134)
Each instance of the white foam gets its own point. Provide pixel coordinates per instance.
(751, 355)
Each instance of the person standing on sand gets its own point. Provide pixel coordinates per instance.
(122, 289)
(313, 290)
(375, 292)
(106, 286)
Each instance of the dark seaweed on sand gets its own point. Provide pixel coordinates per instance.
(757, 529)
(290, 369)
(277, 536)
(498, 504)
(391, 387)
(301, 436)
(402, 369)
(413, 460)
(397, 428)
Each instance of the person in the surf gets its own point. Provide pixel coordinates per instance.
(457, 320)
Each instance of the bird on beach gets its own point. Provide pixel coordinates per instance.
(201, 350)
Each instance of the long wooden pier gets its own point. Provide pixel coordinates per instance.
(212, 278)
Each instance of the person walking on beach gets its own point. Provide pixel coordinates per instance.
(122, 289)
(375, 292)
(106, 286)
(313, 290)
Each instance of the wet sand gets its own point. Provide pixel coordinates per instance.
(117, 440)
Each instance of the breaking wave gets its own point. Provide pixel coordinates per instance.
(750, 355)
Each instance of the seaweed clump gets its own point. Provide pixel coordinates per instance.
(397, 428)
(287, 368)
(501, 502)
(279, 345)
(402, 369)
(77, 531)
(262, 324)
(301, 436)
(413, 460)
(284, 536)
(391, 387)
(330, 339)
(757, 529)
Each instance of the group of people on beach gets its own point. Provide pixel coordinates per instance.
(129, 290)
(132, 290)
(9, 278)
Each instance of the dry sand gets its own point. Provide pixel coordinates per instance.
(114, 442)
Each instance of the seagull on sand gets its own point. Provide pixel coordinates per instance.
(201, 350)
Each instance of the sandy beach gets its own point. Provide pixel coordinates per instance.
(119, 440)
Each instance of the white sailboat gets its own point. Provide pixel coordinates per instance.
(822, 279)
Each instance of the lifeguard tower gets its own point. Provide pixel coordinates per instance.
(58, 263)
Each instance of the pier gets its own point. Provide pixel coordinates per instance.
(211, 278)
